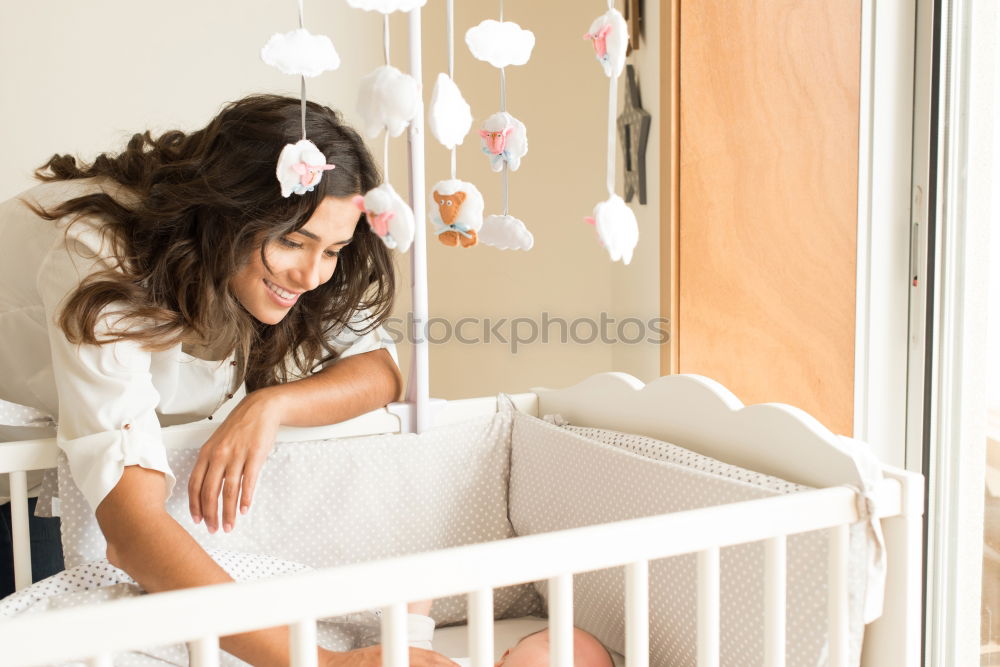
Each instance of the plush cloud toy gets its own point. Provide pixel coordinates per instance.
(616, 228)
(300, 167)
(387, 99)
(457, 214)
(505, 139)
(449, 115)
(609, 32)
(500, 44)
(300, 52)
(389, 216)
(386, 6)
(506, 232)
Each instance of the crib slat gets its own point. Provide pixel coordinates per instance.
(19, 529)
(395, 652)
(481, 627)
(837, 595)
(775, 587)
(561, 621)
(302, 643)
(204, 652)
(637, 614)
(708, 607)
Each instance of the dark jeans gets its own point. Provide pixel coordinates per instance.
(46, 547)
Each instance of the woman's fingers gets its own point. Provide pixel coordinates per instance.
(231, 494)
(211, 486)
(251, 471)
(194, 486)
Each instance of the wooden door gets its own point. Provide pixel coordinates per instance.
(765, 215)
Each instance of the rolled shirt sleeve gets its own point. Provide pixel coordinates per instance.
(107, 401)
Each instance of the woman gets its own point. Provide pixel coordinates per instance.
(146, 288)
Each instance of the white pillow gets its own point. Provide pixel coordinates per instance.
(333, 502)
(560, 480)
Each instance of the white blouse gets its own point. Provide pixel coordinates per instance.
(109, 401)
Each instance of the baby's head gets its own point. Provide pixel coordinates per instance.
(533, 651)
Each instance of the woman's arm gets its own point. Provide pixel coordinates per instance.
(347, 388)
(231, 460)
(158, 553)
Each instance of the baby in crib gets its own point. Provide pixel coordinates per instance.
(532, 650)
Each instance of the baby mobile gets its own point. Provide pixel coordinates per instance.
(458, 219)
(387, 101)
(614, 221)
(301, 165)
(457, 214)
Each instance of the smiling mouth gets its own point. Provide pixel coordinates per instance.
(282, 295)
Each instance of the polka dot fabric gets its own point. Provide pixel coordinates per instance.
(14, 414)
(333, 502)
(665, 451)
(561, 479)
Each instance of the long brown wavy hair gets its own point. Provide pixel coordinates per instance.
(200, 204)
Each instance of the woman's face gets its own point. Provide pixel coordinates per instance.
(299, 262)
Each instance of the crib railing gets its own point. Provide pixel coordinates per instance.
(16, 459)
(199, 616)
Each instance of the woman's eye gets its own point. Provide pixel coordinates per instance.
(332, 253)
(287, 242)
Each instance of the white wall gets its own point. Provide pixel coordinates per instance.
(636, 287)
(81, 77)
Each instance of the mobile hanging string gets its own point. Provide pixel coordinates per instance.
(302, 77)
(385, 140)
(503, 107)
(450, 14)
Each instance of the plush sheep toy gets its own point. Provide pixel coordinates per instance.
(389, 216)
(300, 168)
(458, 212)
(616, 228)
(505, 139)
(609, 32)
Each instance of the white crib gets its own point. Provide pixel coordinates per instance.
(688, 410)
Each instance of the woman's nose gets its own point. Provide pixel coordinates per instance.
(309, 273)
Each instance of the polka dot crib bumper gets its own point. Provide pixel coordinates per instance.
(566, 477)
(334, 502)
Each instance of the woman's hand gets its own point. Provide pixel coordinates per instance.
(372, 657)
(231, 460)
